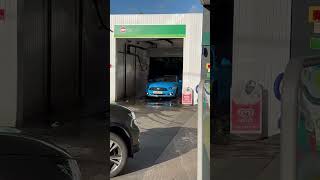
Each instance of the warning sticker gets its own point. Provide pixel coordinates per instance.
(314, 14)
(208, 67)
(2, 15)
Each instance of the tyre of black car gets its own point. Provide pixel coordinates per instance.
(124, 149)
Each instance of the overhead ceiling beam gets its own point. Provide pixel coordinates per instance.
(169, 41)
(139, 47)
(152, 44)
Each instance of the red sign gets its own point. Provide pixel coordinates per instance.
(123, 29)
(2, 15)
(187, 98)
(246, 118)
(316, 15)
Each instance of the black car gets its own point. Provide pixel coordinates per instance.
(124, 137)
(25, 157)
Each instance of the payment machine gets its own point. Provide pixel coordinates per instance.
(308, 127)
(300, 97)
(300, 128)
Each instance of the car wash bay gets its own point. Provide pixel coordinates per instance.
(140, 60)
(144, 47)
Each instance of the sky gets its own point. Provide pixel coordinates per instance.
(154, 6)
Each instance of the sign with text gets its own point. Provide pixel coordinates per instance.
(246, 118)
(150, 31)
(187, 97)
(246, 108)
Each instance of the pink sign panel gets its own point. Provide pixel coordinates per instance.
(187, 98)
(246, 118)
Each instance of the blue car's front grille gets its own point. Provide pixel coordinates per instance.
(158, 89)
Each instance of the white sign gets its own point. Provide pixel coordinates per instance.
(316, 27)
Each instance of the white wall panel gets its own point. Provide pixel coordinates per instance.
(261, 47)
(8, 64)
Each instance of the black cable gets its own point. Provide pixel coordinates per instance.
(139, 60)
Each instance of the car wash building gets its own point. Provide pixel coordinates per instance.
(145, 46)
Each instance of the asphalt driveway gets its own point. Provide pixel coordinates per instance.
(168, 132)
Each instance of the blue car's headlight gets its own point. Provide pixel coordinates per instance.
(173, 88)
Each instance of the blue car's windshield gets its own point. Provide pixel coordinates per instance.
(166, 79)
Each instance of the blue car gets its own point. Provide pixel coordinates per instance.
(166, 86)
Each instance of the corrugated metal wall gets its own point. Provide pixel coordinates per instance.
(65, 55)
(62, 57)
(32, 61)
(262, 46)
(8, 63)
(95, 58)
(128, 77)
(192, 43)
(48, 58)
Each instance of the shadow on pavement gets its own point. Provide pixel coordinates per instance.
(159, 120)
(154, 142)
(84, 139)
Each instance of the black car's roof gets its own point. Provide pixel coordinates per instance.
(19, 144)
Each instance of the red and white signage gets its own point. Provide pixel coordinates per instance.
(187, 97)
(123, 29)
(246, 118)
(246, 108)
(314, 14)
(208, 67)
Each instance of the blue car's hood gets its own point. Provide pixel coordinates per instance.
(162, 84)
